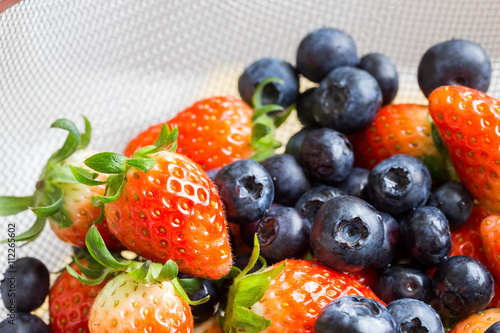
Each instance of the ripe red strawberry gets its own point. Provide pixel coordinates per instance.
(397, 129)
(212, 132)
(70, 302)
(125, 305)
(490, 236)
(477, 322)
(468, 121)
(294, 298)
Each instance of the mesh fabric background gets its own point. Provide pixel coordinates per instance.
(126, 64)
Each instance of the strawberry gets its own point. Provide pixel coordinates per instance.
(208, 326)
(477, 322)
(490, 236)
(467, 121)
(70, 302)
(398, 129)
(60, 198)
(163, 206)
(286, 297)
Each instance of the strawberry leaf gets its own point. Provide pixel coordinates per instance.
(85, 177)
(85, 141)
(182, 293)
(115, 186)
(257, 95)
(60, 174)
(56, 200)
(169, 271)
(107, 163)
(13, 205)
(83, 279)
(97, 248)
(146, 272)
(191, 285)
(90, 273)
(143, 164)
(71, 144)
(249, 321)
(32, 233)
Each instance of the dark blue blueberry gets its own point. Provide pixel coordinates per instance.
(399, 184)
(199, 289)
(404, 281)
(248, 230)
(284, 93)
(327, 156)
(454, 62)
(355, 183)
(305, 107)
(323, 50)
(426, 235)
(212, 172)
(347, 100)
(30, 280)
(24, 323)
(354, 314)
(289, 179)
(294, 143)
(283, 234)
(462, 285)
(311, 201)
(414, 316)
(392, 242)
(347, 234)
(246, 190)
(495, 328)
(385, 72)
(454, 200)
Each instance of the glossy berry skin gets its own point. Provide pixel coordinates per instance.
(477, 322)
(347, 100)
(311, 201)
(173, 211)
(454, 200)
(454, 62)
(323, 50)
(205, 310)
(347, 234)
(283, 94)
(412, 315)
(246, 190)
(495, 328)
(403, 282)
(295, 141)
(354, 314)
(384, 71)
(25, 284)
(392, 242)
(289, 178)
(124, 305)
(327, 156)
(467, 122)
(293, 306)
(490, 236)
(426, 235)
(355, 183)
(213, 132)
(399, 184)
(306, 102)
(462, 285)
(212, 172)
(24, 323)
(283, 234)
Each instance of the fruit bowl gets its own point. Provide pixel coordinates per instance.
(126, 65)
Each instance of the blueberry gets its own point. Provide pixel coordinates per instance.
(24, 323)
(414, 316)
(404, 281)
(323, 50)
(454, 62)
(311, 201)
(212, 172)
(347, 100)
(284, 93)
(305, 107)
(283, 234)
(31, 280)
(392, 242)
(495, 328)
(454, 200)
(327, 156)
(289, 179)
(246, 190)
(354, 314)
(399, 184)
(355, 183)
(198, 289)
(347, 234)
(462, 285)
(248, 230)
(426, 235)
(385, 72)
(294, 143)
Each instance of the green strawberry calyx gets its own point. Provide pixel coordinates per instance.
(145, 272)
(265, 120)
(48, 198)
(246, 290)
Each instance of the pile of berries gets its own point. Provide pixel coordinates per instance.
(378, 217)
